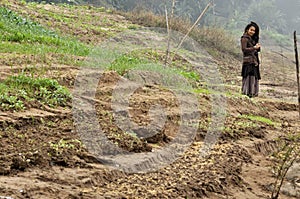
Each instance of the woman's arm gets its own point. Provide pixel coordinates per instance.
(246, 49)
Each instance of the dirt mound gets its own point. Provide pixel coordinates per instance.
(44, 145)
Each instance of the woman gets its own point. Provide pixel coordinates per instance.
(250, 69)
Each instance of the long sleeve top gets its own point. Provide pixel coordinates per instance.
(250, 57)
(247, 45)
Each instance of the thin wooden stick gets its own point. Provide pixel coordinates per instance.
(169, 21)
(197, 21)
(168, 30)
(297, 69)
(173, 8)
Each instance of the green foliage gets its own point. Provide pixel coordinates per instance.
(63, 145)
(202, 90)
(278, 39)
(17, 91)
(10, 102)
(151, 62)
(16, 29)
(274, 21)
(259, 119)
(190, 75)
(125, 63)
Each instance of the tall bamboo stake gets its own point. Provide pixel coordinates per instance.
(192, 27)
(297, 69)
(168, 30)
(196, 22)
(169, 21)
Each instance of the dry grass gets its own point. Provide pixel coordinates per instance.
(210, 37)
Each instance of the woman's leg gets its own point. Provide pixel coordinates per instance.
(244, 86)
(249, 86)
(256, 87)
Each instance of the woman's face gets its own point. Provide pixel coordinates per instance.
(251, 31)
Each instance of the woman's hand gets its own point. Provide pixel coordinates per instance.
(257, 46)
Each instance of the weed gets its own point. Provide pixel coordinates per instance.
(62, 145)
(284, 158)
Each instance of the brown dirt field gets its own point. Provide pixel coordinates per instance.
(33, 168)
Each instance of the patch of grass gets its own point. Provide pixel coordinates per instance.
(43, 49)
(259, 119)
(202, 90)
(126, 62)
(16, 92)
(78, 20)
(18, 29)
(18, 34)
(190, 75)
(150, 60)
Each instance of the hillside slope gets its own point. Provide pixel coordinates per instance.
(48, 153)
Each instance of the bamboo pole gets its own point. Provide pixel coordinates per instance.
(297, 69)
(196, 22)
(169, 21)
(168, 45)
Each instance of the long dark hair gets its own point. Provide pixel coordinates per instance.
(255, 37)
